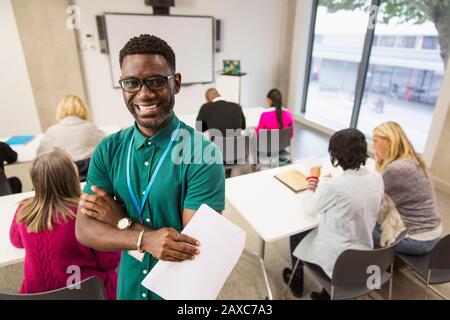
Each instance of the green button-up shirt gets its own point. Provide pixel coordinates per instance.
(190, 175)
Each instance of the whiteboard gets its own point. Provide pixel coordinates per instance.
(191, 38)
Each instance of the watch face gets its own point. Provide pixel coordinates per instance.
(123, 223)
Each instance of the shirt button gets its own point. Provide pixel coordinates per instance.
(144, 271)
(147, 220)
(144, 295)
(146, 163)
(143, 192)
(149, 143)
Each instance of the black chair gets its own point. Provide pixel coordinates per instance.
(90, 289)
(433, 267)
(272, 145)
(83, 168)
(5, 188)
(235, 151)
(352, 271)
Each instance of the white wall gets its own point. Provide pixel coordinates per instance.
(17, 107)
(250, 33)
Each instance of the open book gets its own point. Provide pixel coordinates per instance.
(293, 179)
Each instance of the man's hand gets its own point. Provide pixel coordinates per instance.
(101, 206)
(167, 244)
(315, 171)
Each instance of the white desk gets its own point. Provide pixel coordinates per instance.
(27, 152)
(8, 205)
(272, 209)
(252, 116)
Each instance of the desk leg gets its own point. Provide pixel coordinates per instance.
(260, 255)
(263, 267)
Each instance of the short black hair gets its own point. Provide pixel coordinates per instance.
(148, 44)
(348, 149)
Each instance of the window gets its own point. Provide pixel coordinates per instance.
(430, 43)
(406, 42)
(334, 66)
(347, 87)
(387, 41)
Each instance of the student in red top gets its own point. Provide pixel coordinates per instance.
(45, 226)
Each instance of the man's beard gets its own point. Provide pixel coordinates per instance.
(157, 122)
(160, 120)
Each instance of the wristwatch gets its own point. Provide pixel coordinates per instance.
(124, 223)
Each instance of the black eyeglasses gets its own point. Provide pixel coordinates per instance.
(133, 85)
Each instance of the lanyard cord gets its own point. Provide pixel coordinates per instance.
(140, 207)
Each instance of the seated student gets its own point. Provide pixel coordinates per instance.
(73, 133)
(347, 206)
(219, 114)
(408, 183)
(10, 156)
(279, 118)
(45, 226)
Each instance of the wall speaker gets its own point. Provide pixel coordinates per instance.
(102, 37)
(218, 34)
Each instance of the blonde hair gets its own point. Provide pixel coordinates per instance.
(400, 147)
(71, 106)
(57, 189)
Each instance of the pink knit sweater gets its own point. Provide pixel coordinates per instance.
(48, 254)
(269, 121)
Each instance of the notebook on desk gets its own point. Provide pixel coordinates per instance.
(16, 140)
(293, 179)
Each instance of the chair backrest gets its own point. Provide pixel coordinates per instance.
(354, 267)
(235, 149)
(440, 256)
(5, 188)
(274, 141)
(83, 168)
(89, 289)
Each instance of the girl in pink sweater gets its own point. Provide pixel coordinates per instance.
(45, 226)
(275, 119)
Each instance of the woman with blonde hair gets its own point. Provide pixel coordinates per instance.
(44, 225)
(73, 133)
(408, 183)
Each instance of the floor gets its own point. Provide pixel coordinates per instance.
(246, 280)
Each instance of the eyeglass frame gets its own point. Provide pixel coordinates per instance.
(142, 83)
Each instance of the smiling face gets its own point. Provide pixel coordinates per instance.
(152, 109)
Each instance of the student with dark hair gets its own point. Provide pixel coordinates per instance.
(347, 206)
(280, 118)
(7, 154)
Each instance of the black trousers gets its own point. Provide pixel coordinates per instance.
(15, 184)
(294, 241)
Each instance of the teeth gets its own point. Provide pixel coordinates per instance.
(142, 107)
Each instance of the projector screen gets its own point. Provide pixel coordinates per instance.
(191, 38)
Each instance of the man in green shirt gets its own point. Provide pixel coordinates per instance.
(146, 182)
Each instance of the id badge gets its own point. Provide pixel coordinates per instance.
(137, 255)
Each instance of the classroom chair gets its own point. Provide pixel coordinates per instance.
(272, 145)
(235, 151)
(433, 267)
(352, 270)
(5, 188)
(90, 289)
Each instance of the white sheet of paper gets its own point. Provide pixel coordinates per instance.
(221, 245)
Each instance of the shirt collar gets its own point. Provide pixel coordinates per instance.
(71, 120)
(219, 98)
(354, 172)
(160, 139)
